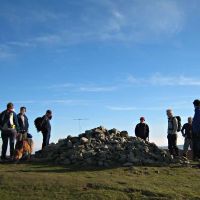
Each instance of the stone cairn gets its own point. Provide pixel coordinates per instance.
(103, 148)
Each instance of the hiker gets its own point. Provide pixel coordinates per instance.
(9, 127)
(187, 134)
(196, 131)
(172, 134)
(46, 128)
(142, 130)
(23, 123)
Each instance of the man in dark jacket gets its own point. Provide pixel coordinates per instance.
(46, 128)
(23, 123)
(196, 130)
(187, 134)
(142, 130)
(9, 127)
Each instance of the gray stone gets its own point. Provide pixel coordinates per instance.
(128, 164)
(84, 140)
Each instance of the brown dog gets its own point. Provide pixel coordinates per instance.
(23, 149)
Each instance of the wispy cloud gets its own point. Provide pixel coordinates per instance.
(160, 80)
(5, 52)
(82, 87)
(129, 108)
(61, 86)
(106, 20)
(120, 108)
(175, 105)
(98, 89)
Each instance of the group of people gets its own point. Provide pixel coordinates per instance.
(15, 129)
(190, 131)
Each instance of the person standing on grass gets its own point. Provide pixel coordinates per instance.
(172, 134)
(142, 130)
(23, 123)
(46, 128)
(187, 134)
(9, 128)
(196, 130)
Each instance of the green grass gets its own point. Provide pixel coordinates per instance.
(34, 181)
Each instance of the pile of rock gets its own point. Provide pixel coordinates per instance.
(106, 148)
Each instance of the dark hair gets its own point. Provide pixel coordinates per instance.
(49, 112)
(23, 108)
(196, 102)
(10, 105)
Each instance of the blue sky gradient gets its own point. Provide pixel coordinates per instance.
(109, 61)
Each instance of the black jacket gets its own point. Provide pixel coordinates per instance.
(187, 130)
(23, 127)
(46, 126)
(142, 131)
(5, 119)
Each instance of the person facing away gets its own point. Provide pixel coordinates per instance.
(9, 128)
(23, 123)
(142, 130)
(187, 134)
(172, 133)
(46, 128)
(196, 130)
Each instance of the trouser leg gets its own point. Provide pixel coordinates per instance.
(5, 144)
(187, 143)
(12, 144)
(174, 144)
(194, 148)
(198, 148)
(170, 144)
(47, 139)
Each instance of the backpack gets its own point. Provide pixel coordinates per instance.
(39, 123)
(179, 123)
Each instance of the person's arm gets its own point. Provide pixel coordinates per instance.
(136, 131)
(16, 122)
(44, 125)
(27, 123)
(175, 125)
(183, 130)
(147, 131)
(1, 121)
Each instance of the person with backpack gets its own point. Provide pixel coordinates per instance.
(46, 128)
(174, 126)
(43, 125)
(196, 131)
(187, 134)
(9, 129)
(23, 123)
(142, 130)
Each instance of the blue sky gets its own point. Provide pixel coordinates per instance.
(110, 61)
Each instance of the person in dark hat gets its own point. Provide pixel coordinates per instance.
(46, 128)
(196, 130)
(142, 130)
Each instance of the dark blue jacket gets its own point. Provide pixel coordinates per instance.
(46, 126)
(5, 119)
(23, 127)
(196, 122)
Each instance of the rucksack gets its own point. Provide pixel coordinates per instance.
(179, 123)
(38, 123)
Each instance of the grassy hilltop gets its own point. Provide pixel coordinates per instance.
(38, 181)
